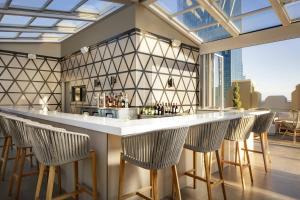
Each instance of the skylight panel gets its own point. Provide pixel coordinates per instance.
(65, 5)
(54, 35)
(11, 20)
(196, 18)
(171, 6)
(293, 10)
(2, 3)
(71, 23)
(29, 35)
(8, 34)
(98, 7)
(29, 4)
(213, 33)
(45, 22)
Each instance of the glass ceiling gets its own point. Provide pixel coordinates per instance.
(50, 20)
(243, 16)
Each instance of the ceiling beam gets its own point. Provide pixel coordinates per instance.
(219, 17)
(51, 14)
(148, 2)
(21, 40)
(281, 12)
(185, 11)
(38, 29)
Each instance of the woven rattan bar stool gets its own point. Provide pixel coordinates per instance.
(261, 128)
(4, 129)
(24, 149)
(206, 138)
(239, 131)
(55, 147)
(152, 151)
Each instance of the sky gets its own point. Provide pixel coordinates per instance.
(274, 67)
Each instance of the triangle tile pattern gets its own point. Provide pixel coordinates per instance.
(27, 82)
(142, 64)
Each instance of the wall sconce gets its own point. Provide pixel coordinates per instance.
(171, 82)
(176, 43)
(84, 50)
(31, 56)
(113, 81)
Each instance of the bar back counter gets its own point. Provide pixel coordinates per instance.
(106, 134)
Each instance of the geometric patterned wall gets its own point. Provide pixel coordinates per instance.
(142, 63)
(25, 82)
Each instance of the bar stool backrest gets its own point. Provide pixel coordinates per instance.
(263, 123)
(53, 146)
(154, 150)
(18, 130)
(239, 129)
(4, 126)
(206, 137)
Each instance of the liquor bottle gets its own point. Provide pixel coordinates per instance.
(176, 108)
(162, 109)
(126, 101)
(158, 110)
(166, 108)
(173, 108)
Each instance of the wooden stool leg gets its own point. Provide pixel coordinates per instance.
(2, 155)
(222, 154)
(20, 172)
(50, 184)
(15, 167)
(263, 151)
(76, 181)
(195, 168)
(236, 153)
(94, 174)
(268, 147)
(121, 177)
(240, 164)
(5, 158)
(176, 182)
(59, 179)
(40, 181)
(221, 173)
(31, 155)
(248, 160)
(151, 184)
(155, 186)
(207, 173)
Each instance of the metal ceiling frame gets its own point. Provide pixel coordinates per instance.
(281, 12)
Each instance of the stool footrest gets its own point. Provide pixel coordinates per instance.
(252, 150)
(212, 182)
(71, 194)
(126, 196)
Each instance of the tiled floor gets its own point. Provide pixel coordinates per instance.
(282, 182)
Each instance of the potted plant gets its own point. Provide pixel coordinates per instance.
(236, 100)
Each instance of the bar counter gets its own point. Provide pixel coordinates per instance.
(106, 133)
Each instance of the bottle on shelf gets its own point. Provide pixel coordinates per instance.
(176, 108)
(162, 109)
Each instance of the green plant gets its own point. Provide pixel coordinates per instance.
(236, 100)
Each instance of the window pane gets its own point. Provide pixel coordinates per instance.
(65, 5)
(15, 20)
(212, 33)
(47, 22)
(32, 4)
(196, 18)
(96, 6)
(258, 21)
(71, 23)
(2, 2)
(237, 7)
(54, 35)
(31, 35)
(172, 6)
(293, 10)
(8, 34)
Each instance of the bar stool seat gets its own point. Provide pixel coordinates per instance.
(206, 138)
(56, 147)
(261, 128)
(239, 131)
(152, 151)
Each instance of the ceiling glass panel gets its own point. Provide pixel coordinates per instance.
(65, 5)
(71, 23)
(98, 7)
(45, 22)
(54, 35)
(237, 7)
(31, 4)
(2, 3)
(15, 20)
(195, 18)
(172, 6)
(30, 35)
(8, 34)
(213, 33)
(258, 21)
(293, 9)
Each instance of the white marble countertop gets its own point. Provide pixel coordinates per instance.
(122, 127)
